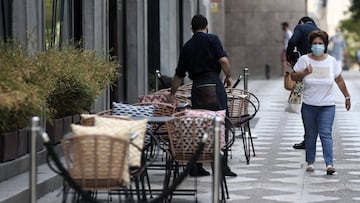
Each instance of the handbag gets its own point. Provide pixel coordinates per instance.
(288, 82)
(295, 98)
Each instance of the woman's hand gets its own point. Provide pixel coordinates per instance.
(347, 104)
(308, 70)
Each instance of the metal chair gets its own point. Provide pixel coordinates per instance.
(184, 135)
(96, 162)
(243, 107)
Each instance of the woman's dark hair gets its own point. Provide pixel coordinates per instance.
(323, 36)
(198, 22)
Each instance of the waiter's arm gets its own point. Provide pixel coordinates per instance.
(225, 65)
(176, 82)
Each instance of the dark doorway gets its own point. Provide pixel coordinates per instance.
(113, 46)
(5, 19)
(77, 21)
(153, 42)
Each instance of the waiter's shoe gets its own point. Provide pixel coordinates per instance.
(227, 172)
(198, 172)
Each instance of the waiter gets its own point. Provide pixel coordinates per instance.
(203, 58)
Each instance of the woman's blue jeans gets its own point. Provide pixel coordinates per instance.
(318, 120)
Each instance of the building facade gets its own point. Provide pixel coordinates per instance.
(145, 35)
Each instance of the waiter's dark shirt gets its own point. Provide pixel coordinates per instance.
(199, 55)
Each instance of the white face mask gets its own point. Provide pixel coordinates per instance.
(318, 49)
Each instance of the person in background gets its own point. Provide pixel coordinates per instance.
(358, 57)
(319, 72)
(203, 58)
(286, 36)
(338, 46)
(299, 39)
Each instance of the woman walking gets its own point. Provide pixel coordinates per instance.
(319, 73)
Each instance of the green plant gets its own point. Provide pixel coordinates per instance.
(62, 82)
(18, 107)
(18, 99)
(74, 78)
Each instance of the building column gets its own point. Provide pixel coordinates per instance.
(66, 20)
(169, 36)
(189, 10)
(28, 24)
(95, 35)
(136, 67)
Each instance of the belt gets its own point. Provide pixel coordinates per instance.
(205, 75)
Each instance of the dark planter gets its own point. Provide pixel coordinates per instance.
(39, 143)
(67, 123)
(8, 146)
(76, 119)
(55, 130)
(23, 142)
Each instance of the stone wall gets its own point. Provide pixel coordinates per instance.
(253, 33)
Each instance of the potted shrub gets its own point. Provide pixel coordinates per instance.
(10, 80)
(76, 77)
(19, 100)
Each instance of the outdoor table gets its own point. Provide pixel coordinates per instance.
(154, 119)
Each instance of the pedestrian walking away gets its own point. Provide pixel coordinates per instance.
(338, 46)
(319, 71)
(203, 58)
(287, 33)
(299, 39)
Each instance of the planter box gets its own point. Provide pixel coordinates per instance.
(67, 123)
(55, 130)
(76, 119)
(39, 143)
(8, 146)
(23, 142)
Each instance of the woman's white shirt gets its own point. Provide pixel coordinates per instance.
(319, 86)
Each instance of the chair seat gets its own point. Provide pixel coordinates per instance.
(242, 119)
(92, 183)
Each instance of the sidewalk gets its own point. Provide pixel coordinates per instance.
(277, 173)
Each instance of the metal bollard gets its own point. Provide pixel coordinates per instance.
(157, 77)
(35, 129)
(267, 71)
(217, 161)
(246, 77)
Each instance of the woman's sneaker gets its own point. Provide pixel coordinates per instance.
(330, 170)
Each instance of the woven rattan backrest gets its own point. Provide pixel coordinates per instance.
(237, 104)
(96, 161)
(161, 109)
(89, 120)
(181, 95)
(184, 135)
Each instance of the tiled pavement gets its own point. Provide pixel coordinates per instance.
(277, 172)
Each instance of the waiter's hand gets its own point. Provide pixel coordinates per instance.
(170, 99)
(227, 82)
